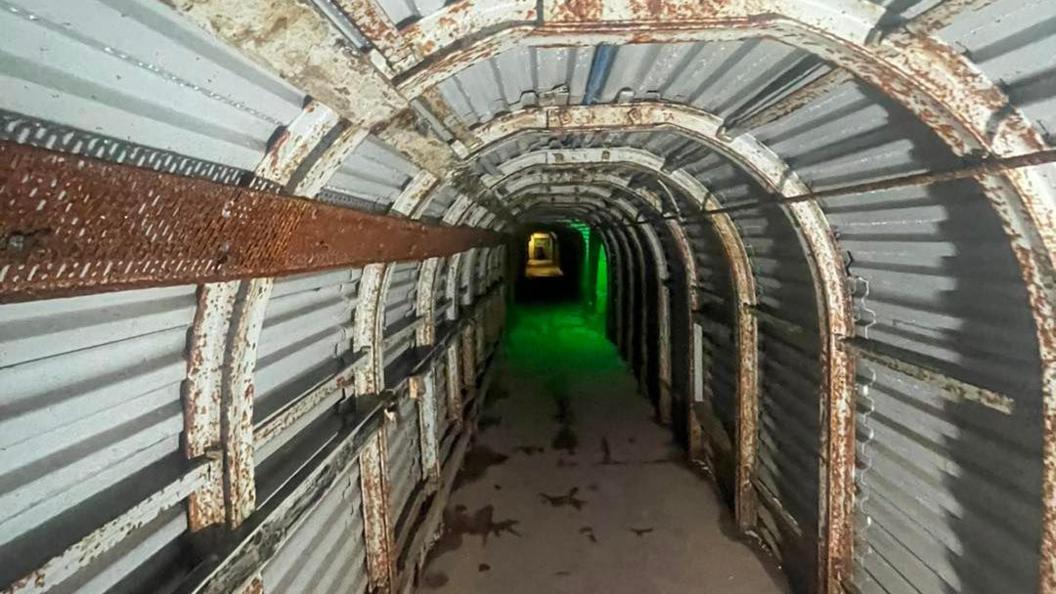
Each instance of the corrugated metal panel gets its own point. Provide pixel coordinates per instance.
(515, 79)
(404, 456)
(370, 178)
(728, 78)
(789, 370)
(92, 414)
(403, 12)
(42, 134)
(305, 337)
(326, 552)
(150, 559)
(439, 201)
(852, 135)
(1013, 42)
(949, 490)
(935, 278)
(400, 316)
(440, 301)
(136, 71)
(719, 304)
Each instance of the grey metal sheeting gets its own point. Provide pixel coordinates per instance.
(326, 553)
(404, 462)
(948, 490)
(92, 415)
(370, 177)
(135, 70)
(305, 337)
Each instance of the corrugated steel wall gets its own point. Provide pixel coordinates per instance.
(370, 178)
(92, 421)
(948, 489)
(92, 401)
(306, 336)
(400, 320)
(92, 397)
(326, 551)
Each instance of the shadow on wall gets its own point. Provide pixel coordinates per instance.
(949, 490)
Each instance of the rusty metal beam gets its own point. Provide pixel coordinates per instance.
(72, 225)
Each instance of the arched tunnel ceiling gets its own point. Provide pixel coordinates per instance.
(680, 130)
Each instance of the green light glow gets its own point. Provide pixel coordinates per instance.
(601, 289)
(557, 342)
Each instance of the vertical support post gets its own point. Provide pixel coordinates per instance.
(236, 417)
(368, 324)
(480, 334)
(694, 432)
(202, 399)
(423, 390)
(468, 348)
(377, 526)
(747, 416)
(454, 385)
(838, 464)
(451, 286)
(425, 303)
(664, 348)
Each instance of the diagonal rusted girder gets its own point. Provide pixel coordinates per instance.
(71, 225)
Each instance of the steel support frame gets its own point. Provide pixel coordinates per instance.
(633, 253)
(530, 182)
(219, 391)
(741, 274)
(378, 528)
(772, 173)
(944, 89)
(839, 32)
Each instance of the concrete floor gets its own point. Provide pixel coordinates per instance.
(572, 487)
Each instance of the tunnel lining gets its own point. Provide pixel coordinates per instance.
(1040, 311)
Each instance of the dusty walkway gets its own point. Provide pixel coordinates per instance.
(573, 488)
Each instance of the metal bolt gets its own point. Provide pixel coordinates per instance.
(16, 242)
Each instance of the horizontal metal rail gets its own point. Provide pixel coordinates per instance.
(977, 169)
(71, 225)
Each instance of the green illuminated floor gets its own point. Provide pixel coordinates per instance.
(571, 486)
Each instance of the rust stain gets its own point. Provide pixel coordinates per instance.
(568, 499)
(113, 227)
(376, 522)
(577, 11)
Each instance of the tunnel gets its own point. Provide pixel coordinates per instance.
(528, 296)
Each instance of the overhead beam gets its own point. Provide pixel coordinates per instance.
(72, 225)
